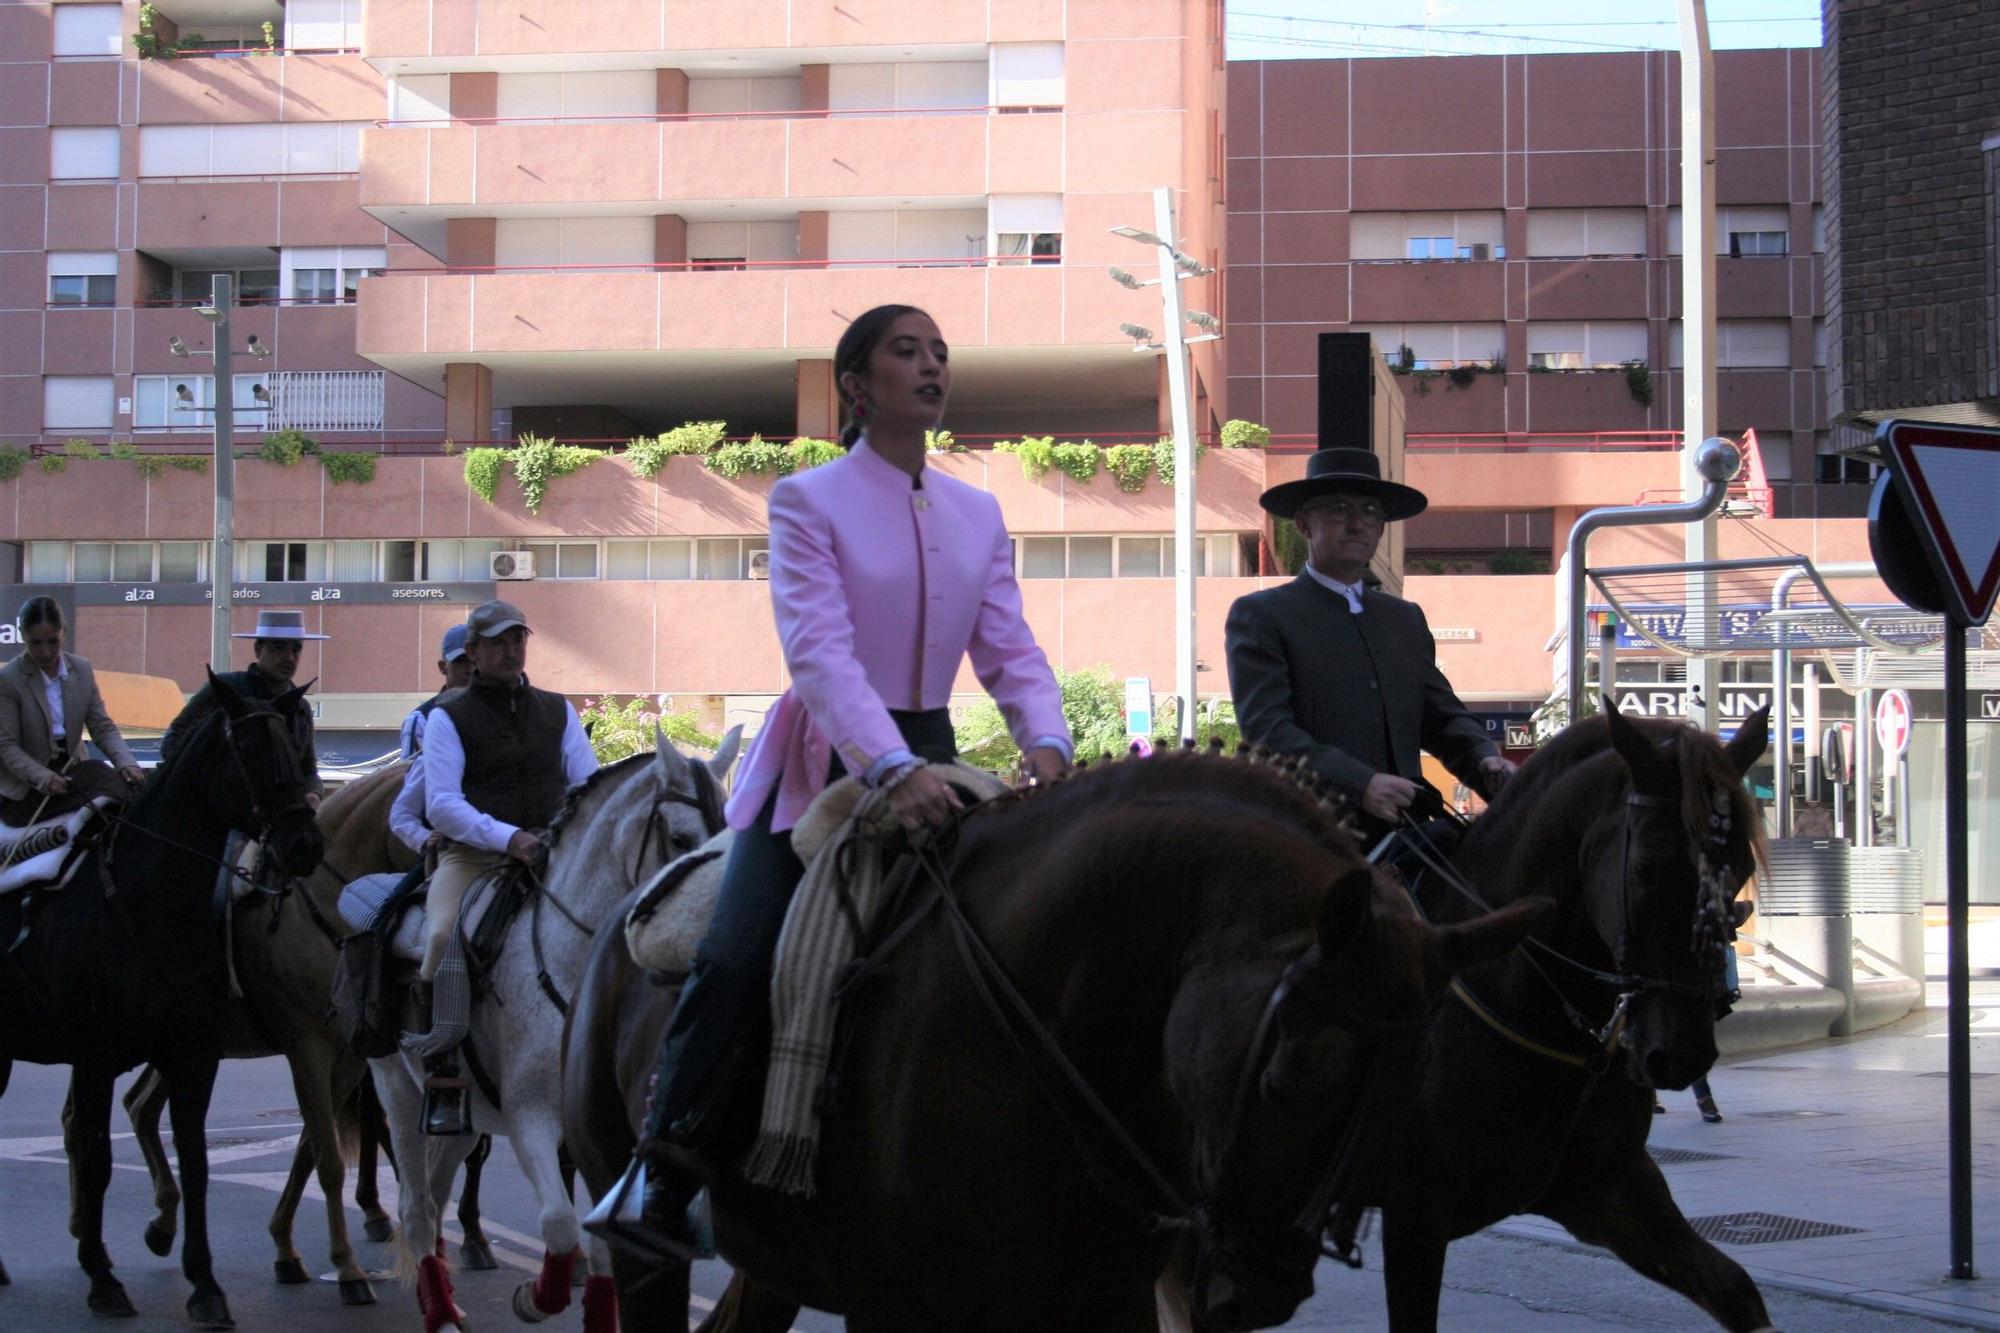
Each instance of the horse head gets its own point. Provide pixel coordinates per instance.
(630, 818)
(1674, 845)
(1368, 984)
(261, 788)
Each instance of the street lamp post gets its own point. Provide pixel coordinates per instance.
(1175, 342)
(222, 564)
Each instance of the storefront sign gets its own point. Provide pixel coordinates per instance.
(1455, 635)
(1671, 701)
(255, 594)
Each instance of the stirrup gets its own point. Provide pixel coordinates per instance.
(619, 1220)
(447, 1105)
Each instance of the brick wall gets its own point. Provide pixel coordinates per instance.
(1911, 95)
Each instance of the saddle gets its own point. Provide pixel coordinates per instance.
(45, 855)
(402, 933)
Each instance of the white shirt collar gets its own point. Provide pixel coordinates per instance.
(1351, 591)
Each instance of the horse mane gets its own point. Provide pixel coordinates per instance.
(1257, 777)
(583, 792)
(152, 791)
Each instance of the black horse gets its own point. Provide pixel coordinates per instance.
(1533, 1091)
(126, 966)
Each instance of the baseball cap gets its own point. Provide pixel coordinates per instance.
(495, 617)
(454, 644)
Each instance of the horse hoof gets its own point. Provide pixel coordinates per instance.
(210, 1311)
(4, 1279)
(159, 1239)
(356, 1291)
(476, 1254)
(524, 1304)
(108, 1298)
(378, 1229)
(291, 1272)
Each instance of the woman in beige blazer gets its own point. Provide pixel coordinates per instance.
(48, 701)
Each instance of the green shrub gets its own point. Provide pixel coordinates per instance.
(649, 454)
(1288, 545)
(619, 730)
(1079, 461)
(806, 452)
(537, 461)
(1639, 382)
(1517, 562)
(1130, 465)
(941, 442)
(1093, 703)
(149, 465)
(126, 450)
(451, 449)
(1462, 376)
(482, 470)
(80, 449)
(358, 468)
(1163, 458)
(287, 447)
(1240, 434)
(755, 454)
(52, 463)
(11, 461)
(185, 462)
(1036, 452)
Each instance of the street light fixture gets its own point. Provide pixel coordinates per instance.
(1174, 266)
(177, 347)
(257, 348)
(212, 312)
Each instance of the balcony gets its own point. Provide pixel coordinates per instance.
(321, 86)
(495, 165)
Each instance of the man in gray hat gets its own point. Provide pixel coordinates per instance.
(277, 644)
(1344, 674)
(498, 758)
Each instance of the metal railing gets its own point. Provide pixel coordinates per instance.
(688, 117)
(728, 265)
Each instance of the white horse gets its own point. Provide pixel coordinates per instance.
(618, 827)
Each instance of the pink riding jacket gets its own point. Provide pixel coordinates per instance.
(880, 588)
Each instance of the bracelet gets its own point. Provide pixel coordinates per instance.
(898, 775)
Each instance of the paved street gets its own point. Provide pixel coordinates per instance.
(1846, 1133)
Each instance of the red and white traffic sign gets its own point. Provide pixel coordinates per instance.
(1951, 477)
(1892, 723)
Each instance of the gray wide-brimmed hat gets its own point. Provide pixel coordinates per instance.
(289, 625)
(1343, 472)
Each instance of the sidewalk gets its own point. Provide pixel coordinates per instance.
(1843, 1144)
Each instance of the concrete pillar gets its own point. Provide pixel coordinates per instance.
(475, 96)
(813, 236)
(670, 239)
(818, 413)
(815, 88)
(468, 401)
(469, 242)
(671, 99)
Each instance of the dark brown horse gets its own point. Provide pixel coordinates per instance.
(125, 966)
(1535, 1091)
(1203, 943)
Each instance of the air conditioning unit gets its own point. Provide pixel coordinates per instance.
(511, 564)
(1481, 250)
(760, 564)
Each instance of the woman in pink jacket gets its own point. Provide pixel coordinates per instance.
(885, 574)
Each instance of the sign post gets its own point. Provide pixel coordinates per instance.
(1138, 707)
(1934, 528)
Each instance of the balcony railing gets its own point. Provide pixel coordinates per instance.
(1503, 442)
(686, 117)
(730, 265)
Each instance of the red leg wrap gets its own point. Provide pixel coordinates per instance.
(600, 1304)
(434, 1295)
(551, 1294)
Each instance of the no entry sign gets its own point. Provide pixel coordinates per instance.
(1892, 724)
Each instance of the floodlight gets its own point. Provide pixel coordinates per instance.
(1191, 266)
(1135, 234)
(183, 395)
(1136, 332)
(1201, 319)
(1125, 280)
(256, 346)
(261, 394)
(177, 347)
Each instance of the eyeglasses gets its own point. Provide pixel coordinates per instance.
(1367, 511)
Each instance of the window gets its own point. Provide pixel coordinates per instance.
(1741, 344)
(1023, 247)
(579, 97)
(306, 148)
(47, 562)
(1026, 74)
(315, 284)
(1757, 244)
(253, 286)
(1741, 230)
(89, 30)
(83, 278)
(452, 561)
(1040, 557)
(181, 562)
(282, 562)
(353, 562)
(114, 562)
(187, 402)
(1090, 557)
(563, 560)
(83, 153)
(1578, 233)
(1145, 557)
(77, 402)
(1027, 228)
(329, 273)
(660, 558)
(1591, 345)
(399, 562)
(420, 97)
(1439, 346)
(320, 25)
(1427, 236)
(726, 557)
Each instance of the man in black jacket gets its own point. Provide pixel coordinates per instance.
(1343, 674)
(278, 642)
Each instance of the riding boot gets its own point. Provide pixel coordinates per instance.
(447, 1099)
(659, 1207)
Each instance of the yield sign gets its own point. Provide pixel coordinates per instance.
(1950, 475)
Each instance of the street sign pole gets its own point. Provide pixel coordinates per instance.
(1958, 985)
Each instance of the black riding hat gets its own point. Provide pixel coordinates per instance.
(1343, 471)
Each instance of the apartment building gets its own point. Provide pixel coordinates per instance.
(593, 223)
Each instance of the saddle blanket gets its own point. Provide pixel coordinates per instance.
(44, 854)
(361, 904)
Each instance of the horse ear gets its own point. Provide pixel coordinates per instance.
(1648, 766)
(725, 753)
(671, 761)
(1345, 910)
(289, 700)
(1747, 745)
(1489, 936)
(226, 695)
